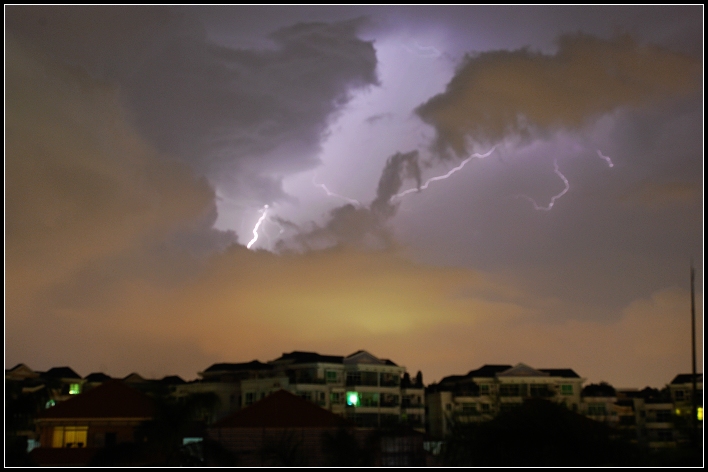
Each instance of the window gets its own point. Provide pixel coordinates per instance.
(679, 395)
(353, 399)
(390, 400)
(663, 416)
(334, 398)
(566, 389)
(69, 436)
(331, 376)
(249, 398)
(484, 389)
(390, 380)
(485, 407)
(596, 409)
(539, 390)
(509, 390)
(74, 389)
(469, 408)
(362, 378)
(369, 399)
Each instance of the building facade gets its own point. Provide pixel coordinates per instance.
(483, 393)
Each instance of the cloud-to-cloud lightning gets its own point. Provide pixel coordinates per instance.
(606, 158)
(555, 197)
(335, 195)
(446, 175)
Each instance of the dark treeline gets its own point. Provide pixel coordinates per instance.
(546, 434)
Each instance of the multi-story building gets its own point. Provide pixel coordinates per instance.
(483, 393)
(369, 391)
(224, 381)
(681, 388)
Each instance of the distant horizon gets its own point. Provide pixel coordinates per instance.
(412, 374)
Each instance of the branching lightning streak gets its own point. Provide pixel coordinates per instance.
(554, 198)
(332, 194)
(255, 228)
(607, 158)
(445, 176)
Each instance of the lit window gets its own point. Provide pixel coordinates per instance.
(74, 389)
(69, 436)
(352, 399)
(50, 404)
(566, 389)
(699, 413)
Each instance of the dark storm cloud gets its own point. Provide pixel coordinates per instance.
(359, 226)
(236, 115)
(497, 93)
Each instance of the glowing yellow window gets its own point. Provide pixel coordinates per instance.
(69, 436)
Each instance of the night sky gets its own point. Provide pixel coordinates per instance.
(147, 147)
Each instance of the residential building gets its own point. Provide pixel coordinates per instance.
(284, 429)
(483, 393)
(224, 380)
(104, 416)
(361, 387)
(280, 430)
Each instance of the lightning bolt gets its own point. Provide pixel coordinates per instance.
(332, 194)
(554, 198)
(607, 158)
(444, 176)
(255, 228)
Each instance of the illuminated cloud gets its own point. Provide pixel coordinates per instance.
(115, 116)
(514, 92)
(242, 117)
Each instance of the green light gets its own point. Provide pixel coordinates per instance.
(74, 389)
(352, 399)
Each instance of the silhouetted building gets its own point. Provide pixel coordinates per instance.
(104, 416)
(483, 393)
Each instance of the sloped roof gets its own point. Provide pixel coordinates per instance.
(304, 357)
(522, 370)
(113, 399)
(686, 379)
(61, 373)
(488, 370)
(134, 377)
(172, 380)
(566, 373)
(364, 357)
(282, 409)
(230, 367)
(97, 377)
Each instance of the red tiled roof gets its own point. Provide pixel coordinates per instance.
(282, 410)
(113, 399)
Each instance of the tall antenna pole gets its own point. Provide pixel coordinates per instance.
(694, 419)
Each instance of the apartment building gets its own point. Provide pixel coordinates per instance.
(369, 391)
(484, 392)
